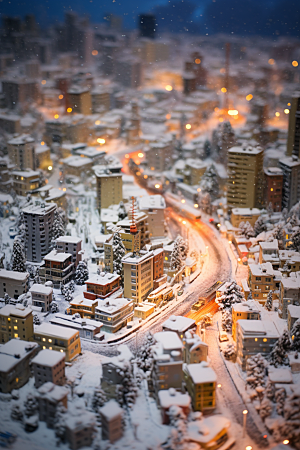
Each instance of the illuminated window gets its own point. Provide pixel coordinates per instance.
(61, 351)
(15, 328)
(17, 380)
(44, 348)
(16, 335)
(8, 319)
(265, 340)
(50, 348)
(109, 318)
(44, 339)
(255, 339)
(166, 258)
(49, 340)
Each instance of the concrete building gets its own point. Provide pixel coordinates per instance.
(289, 293)
(77, 166)
(70, 244)
(109, 188)
(43, 157)
(293, 314)
(171, 397)
(41, 296)
(141, 221)
(38, 220)
(48, 366)
(273, 187)
(239, 215)
(261, 281)
(159, 156)
(194, 171)
(179, 324)
(88, 328)
(22, 152)
(101, 286)
(269, 252)
(138, 275)
(154, 206)
(100, 99)
(83, 306)
(114, 313)
(13, 283)
(59, 339)
(49, 396)
(129, 71)
(16, 323)
(79, 100)
(111, 421)
(201, 380)
(249, 310)
(15, 357)
(57, 267)
(11, 124)
(80, 428)
(19, 91)
(290, 167)
(112, 368)
(25, 181)
(195, 350)
(293, 142)
(245, 177)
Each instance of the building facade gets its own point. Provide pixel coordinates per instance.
(13, 283)
(138, 275)
(16, 323)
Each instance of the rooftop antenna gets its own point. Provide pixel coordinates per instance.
(133, 227)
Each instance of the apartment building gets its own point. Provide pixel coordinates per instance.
(158, 263)
(111, 421)
(249, 310)
(59, 339)
(138, 275)
(291, 259)
(273, 187)
(261, 281)
(154, 206)
(13, 283)
(179, 324)
(245, 177)
(79, 100)
(48, 397)
(83, 306)
(25, 181)
(80, 428)
(201, 381)
(16, 323)
(289, 293)
(293, 314)
(130, 242)
(290, 167)
(195, 350)
(114, 313)
(22, 152)
(171, 397)
(88, 328)
(15, 357)
(41, 296)
(48, 366)
(57, 267)
(141, 221)
(38, 220)
(239, 215)
(269, 252)
(102, 285)
(109, 188)
(293, 142)
(70, 244)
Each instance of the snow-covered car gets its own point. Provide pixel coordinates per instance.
(180, 293)
(12, 232)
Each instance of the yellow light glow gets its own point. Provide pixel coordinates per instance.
(56, 116)
(101, 141)
(223, 70)
(42, 143)
(248, 447)
(277, 114)
(140, 155)
(249, 97)
(286, 111)
(295, 63)
(188, 126)
(126, 156)
(97, 122)
(60, 97)
(69, 110)
(183, 201)
(271, 61)
(197, 61)
(223, 89)
(168, 116)
(196, 205)
(145, 176)
(169, 88)
(198, 190)
(43, 81)
(184, 222)
(286, 442)
(157, 186)
(50, 167)
(219, 385)
(138, 173)
(221, 119)
(289, 104)
(245, 411)
(233, 112)
(95, 52)
(64, 189)
(152, 168)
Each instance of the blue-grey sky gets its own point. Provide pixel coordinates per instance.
(266, 17)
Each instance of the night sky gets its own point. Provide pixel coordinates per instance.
(243, 17)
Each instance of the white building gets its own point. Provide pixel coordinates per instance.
(154, 206)
(88, 328)
(13, 283)
(114, 313)
(41, 296)
(48, 366)
(179, 324)
(70, 244)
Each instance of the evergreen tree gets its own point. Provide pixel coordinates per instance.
(176, 256)
(295, 238)
(21, 228)
(269, 302)
(293, 220)
(231, 294)
(277, 233)
(30, 405)
(278, 355)
(54, 307)
(280, 396)
(249, 296)
(242, 227)
(230, 351)
(126, 392)
(288, 425)
(248, 231)
(259, 226)
(99, 398)
(6, 298)
(270, 390)
(122, 211)
(256, 370)
(178, 438)
(16, 413)
(183, 247)
(207, 149)
(82, 273)
(60, 424)
(18, 261)
(209, 182)
(265, 409)
(270, 209)
(145, 354)
(295, 333)
(118, 254)
(205, 202)
(226, 320)
(58, 228)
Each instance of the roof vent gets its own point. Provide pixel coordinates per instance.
(173, 318)
(172, 392)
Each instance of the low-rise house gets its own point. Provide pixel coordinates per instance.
(15, 357)
(179, 324)
(254, 336)
(261, 280)
(111, 421)
(88, 328)
(49, 396)
(41, 296)
(239, 215)
(16, 323)
(57, 338)
(114, 313)
(57, 267)
(25, 181)
(200, 380)
(269, 252)
(289, 293)
(249, 310)
(143, 310)
(195, 350)
(171, 397)
(211, 432)
(293, 314)
(290, 259)
(48, 366)
(80, 428)
(102, 285)
(83, 306)
(154, 206)
(70, 244)
(13, 283)
(112, 369)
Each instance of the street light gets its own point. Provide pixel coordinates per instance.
(286, 442)
(245, 412)
(248, 447)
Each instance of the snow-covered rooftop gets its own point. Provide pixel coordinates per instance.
(246, 150)
(201, 373)
(21, 140)
(111, 410)
(294, 311)
(52, 392)
(205, 430)
(265, 269)
(48, 329)
(248, 306)
(112, 305)
(264, 328)
(48, 358)
(40, 209)
(103, 279)
(12, 275)
(152, 202)
(69, 239)
(41, 289)
(81, 300)
(171, 397)
(18, 310)
(12, 353)
(77, 323)
(178, 323)
(57, 257)
(169, 340)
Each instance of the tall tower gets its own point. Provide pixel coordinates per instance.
(133, 227)
(293, 142)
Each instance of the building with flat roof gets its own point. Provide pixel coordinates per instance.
(111, 421)
(41, 296)
(290, 167)
(179, 324)
(171, 397)
(114, 313)
(289, 293)
(273, 187)
(109, 188)
(88, 328)
(154, 206)
(79, 100)
(57, 267)
(249, 310)
(102, 285)
(49, 396)
(13, 283)
(201, 383)
(261, 281)
(48, 366)
(22, 152)
(16, 323)
(239, 215)
(138, 275)
(293, 314)
(70, 244)
(83, 306)
(25, 181)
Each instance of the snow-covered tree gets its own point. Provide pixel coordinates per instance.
(176, 256)
(126, 392)
(295, 238)
(280, 396)
(118, 254)
(58, 228)
(82, 273)
(277, 233)
(21, 228)
(68, 294)
(99, 398)
(54, 307)
(249, 296)
(265, 409)
(18, 261)
(259, 226)
(295, 333)
(122, 214)
(270, 390)
(226, 320)
(293, 220)
(231, 294)
(230, 351)
(178, 438)
(256, 370)
(278, 355)
(60, 424)
(285, 214)
(269, 301)
(209, 182)
(36, 320)
(71, 286)
(248, 231)
(195, 255)
(145, 354)
(288, 426)
(205, 202)
(6, 298)
(30, 405)
(16, 413)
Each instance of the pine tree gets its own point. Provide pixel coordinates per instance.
(256, 370)
(205, 202)
(58, 228)
(122, 211)
(178, 438)
(231, 294)
(82, 273)
(248, 231)
(230, 351)
(99, 398)
(278, 355)
(269, 302)
(295, 238)
(226, 320)
(118, 254)
(295, 333)
(270, 209)
(126, 392)
(209, 182)
(36, 320)
(18, 261)
(30, 405)
(60, 424)
(249, 296)
(270, 390)
(16, 413)
(6, 298)
(21, 228)
(145, 354)
(277, 233)
(176, 256)
(68, 294)
(241, 227)
(207, 149)
(280, 395)
(288, 426)
(265, 409)
(54, 307)
(293, 220)
(259, 226)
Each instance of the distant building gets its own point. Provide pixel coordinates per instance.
(19, 91)
(70, 244)
(13, 283)
(273, 187)
(293, 314)
(83, 306)
(10, 123)
(48, 366)
(41, 296)
(293, 142)
(57, 267)
(201, 383)
(245, 177)
(49, 396)
(43, 157)
(114, 313)
(77, 166)
(25, 181)
(109, 188)
(15, 357)
(138, 275)
(129, 72)
(154, 206)
(100, 100)
(88, 328)
(79, 99)
(239, 215)
(16, 323)
(195, 350)
(289, 293)
(22, 152)
(290, 167)
(80, 428)
(244, 311)
(111, 421)
(38, 222)
(159, 156)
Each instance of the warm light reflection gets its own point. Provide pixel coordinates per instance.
(97, 122)
(95, 52)
(271, 61)
(196, 205)
(233, 112)
(140, 155)
(101, 141)
(223, 89)
(183, 201)
(50, 167)
(69, 110)
(249, 97)
(295, 64)
(43, 81)
(168, 116)
(42, 143)
(169, 88)
(157, 186)
(56, 116)
(286, 442)
(197, 61)
(64, 189)
(60, 97)
(286, 111)
(277, 114)
(188, 126)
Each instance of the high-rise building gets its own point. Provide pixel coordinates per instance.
(290, 167)
(293, 142)
(138, 275)
(147, 25)
(273, 187)
(38, 222)
(22, 152)
(109, 188)
(245, 177)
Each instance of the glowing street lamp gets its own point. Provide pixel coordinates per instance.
(245, 412)
(188, 126)
(286, 442)
(157, 186)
